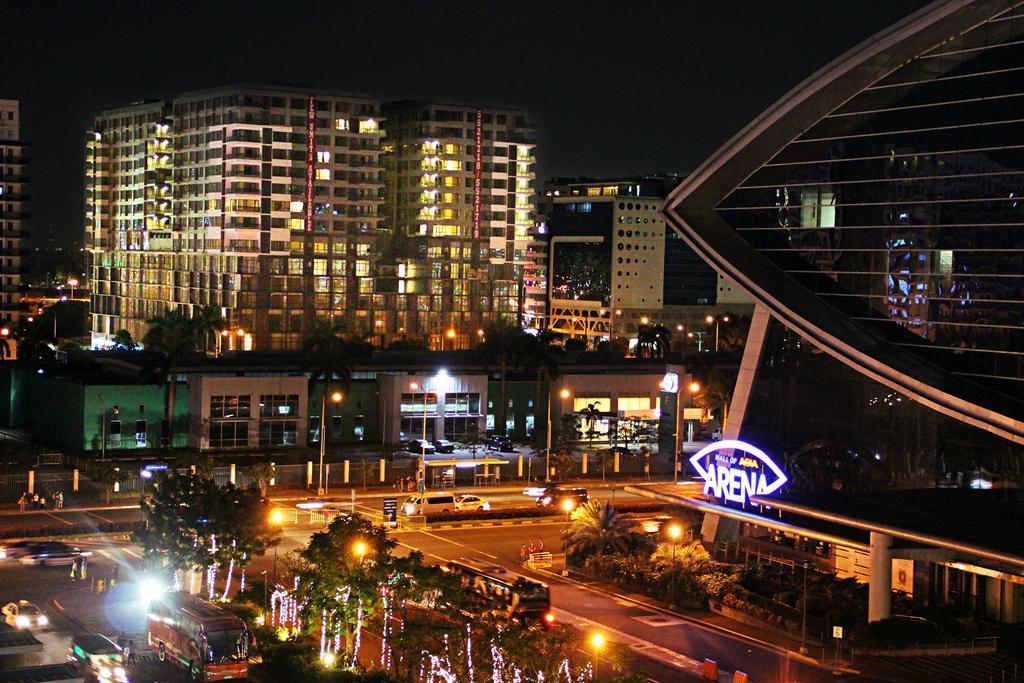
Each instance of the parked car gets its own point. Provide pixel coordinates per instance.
(51, 554)
(555, 496)
(97, 658)
(622, 451)
(428, 503)
(24, 614)
(419, 447)
(500, 443)
(716, 434)
(443, 446)
(468, 501)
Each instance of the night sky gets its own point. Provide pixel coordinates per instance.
(621, 88)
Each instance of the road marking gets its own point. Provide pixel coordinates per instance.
(59, 519)
(437, 557)
(461, 545)
(105, 519)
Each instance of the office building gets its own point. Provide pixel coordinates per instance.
(614, 266)
(262, 202)
(14, 215)
(873, 215)
(460, 207)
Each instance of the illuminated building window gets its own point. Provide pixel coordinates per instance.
(323, 157)
(341, 124)
(362, 249)
(602, 403)
(319, 266)
(401, 270)
(337, 267)
(323, 174)
(449, 181)
(452, 165)
(593, 191)
(297, 223)
(368, 126)
(320, 247)
(296, 207)
(362, 268)
(451, 149)
(366, 285)
(295, 266)
(634, 403)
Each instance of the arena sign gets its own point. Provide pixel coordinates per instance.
(735, 470)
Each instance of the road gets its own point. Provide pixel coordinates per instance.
(666, 647)
(503, 497)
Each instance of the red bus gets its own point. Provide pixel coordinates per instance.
(212, 643)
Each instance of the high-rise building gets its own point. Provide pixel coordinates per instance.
(260, 201)
(14, 195)
(614, 265)
(460, 202)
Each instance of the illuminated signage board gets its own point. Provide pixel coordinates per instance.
(670, 383)
(735, 470)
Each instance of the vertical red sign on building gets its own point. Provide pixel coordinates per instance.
(310, 159)
(478, 157)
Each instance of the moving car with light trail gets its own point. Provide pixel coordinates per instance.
(24, 614)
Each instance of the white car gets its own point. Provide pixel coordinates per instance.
(23, 614)
(467, 501)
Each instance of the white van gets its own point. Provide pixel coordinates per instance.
(428, 503)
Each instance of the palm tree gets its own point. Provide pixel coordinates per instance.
(208, 320)
(501, 341)
(172, 337)
(598, 529)
(653, 341)
(327, 357)
(538, 354)
(591, 414)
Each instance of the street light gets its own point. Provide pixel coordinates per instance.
(803, 627)
(359, 549)
(275, 518)
(597, 641)
(73, 282)
(336, 398)
(423, 442)
(568, 506)
(564, 393)
(674, 532)
(716, 320)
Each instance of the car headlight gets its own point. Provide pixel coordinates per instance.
(546, 499)
(486, 506)
(21, 621)
(409, 509)
(119, 672)
(3, 554)
(42, 620)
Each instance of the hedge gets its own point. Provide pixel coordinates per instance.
(528, 512)
(71, 530)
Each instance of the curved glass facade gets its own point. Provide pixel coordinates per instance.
(904, 207)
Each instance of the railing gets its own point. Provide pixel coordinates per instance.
(982, 645)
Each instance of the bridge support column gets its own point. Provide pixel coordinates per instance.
(879, 577)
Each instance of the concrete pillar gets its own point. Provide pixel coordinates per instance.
(309, 473)
(879, 577)
(31, 481)
(383, 464)
(74, 480)
(583, 465)
(615, 466)
(346, 471)
(231, 476)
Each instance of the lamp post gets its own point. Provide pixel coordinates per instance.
(597, 642)
(73, 282)
(568, 506)
(564, 393)
(716, 320)
(422, 474)
(694, 389)
(359, 549)
(336, 398)
(803, 626)
(275, 518)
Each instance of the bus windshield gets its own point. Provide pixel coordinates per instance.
(225, 644)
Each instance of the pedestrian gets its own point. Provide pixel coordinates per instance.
(533, 548)
(130, 651)
(58, 500)
(42, 502)
(540, 545)
(74, 569)
(21, 503)
(82, 568)
(35, 500)
(522, 554)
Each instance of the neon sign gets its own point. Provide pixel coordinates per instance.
(670, 383)
(734, 470)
